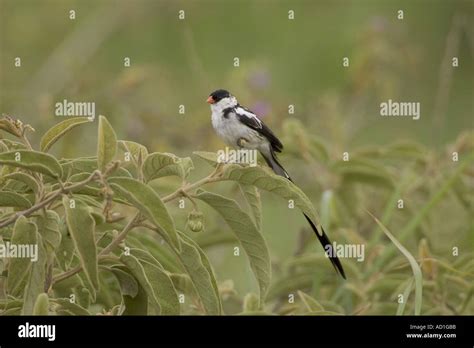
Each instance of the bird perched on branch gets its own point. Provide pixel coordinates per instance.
(239, 127)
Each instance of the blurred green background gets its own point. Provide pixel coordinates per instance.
(179, 62)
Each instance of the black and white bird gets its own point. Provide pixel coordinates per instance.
(239, 127)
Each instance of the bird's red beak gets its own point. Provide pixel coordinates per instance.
(210, 100)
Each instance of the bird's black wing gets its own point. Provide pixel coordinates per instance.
(251, 120)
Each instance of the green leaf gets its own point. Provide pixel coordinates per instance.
(83, 295)
(65, 252)
(11, 311)
(10, 306)
(145, 256)
(137, 305)
(81, 227)
(158, 165)
(164, 289)
(12, 199)
(106, 143)
(27, 179)
(267, 181)
(156, 283)
(48, 227)
(33, 161)
(147, 201)
(318, 149)
(289, 283)
(414, 266)
(3, 146)
(251, 303)
(165, 256)
(135, 149)
(68, 307)
(310, 303)
(406, 294)
(252, 195)
(58, 130)
(406, 149)
(202, 276)
(209, 157)
(78, 165)
(128, 284)
(326, 205)
(363, 171)
(41, 305)
(13, 145)
(247, 233)
(302, 144)
(65, 288)
(24, 233)
(36, 280)
(422, 212)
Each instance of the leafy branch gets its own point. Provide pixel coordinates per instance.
(90, 191)
(50, 198)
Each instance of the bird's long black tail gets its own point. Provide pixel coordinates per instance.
(273, 163)
(327, 245)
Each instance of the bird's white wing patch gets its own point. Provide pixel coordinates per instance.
(255, 120)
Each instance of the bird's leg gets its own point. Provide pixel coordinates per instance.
(241, 142)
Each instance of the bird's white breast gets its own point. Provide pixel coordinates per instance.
(230, 129)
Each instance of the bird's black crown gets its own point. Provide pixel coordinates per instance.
(219, 94)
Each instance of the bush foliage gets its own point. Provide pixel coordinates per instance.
(108, 242)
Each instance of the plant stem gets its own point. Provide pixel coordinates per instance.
(53, 196)
(114, 243)
(214, 176)
(103, 254)
(183, 190)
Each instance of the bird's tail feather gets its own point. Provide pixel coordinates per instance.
(273, 163)
(327, 245)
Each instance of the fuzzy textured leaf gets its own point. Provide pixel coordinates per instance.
(267, 181)
(158, 165)
(363, 171)
(71, 308)
(252, 195)
(78, 165)
(81, 227)
(247, 233)
(136, 150)
(128, 284)
(32, 160)
(106, 143)
(58, 130)
(13, 199)
(310, 303)
(35, 283)
(41, 305)
(24, 232)
(27, 179)
(156, 283)
(209, 157)
(145, 199)
(202, 276)
(413, 263)
(48, 227)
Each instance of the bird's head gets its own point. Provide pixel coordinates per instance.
(221, 99)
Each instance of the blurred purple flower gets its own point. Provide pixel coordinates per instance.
(261, 109)
(259, 79)
(378, 23)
